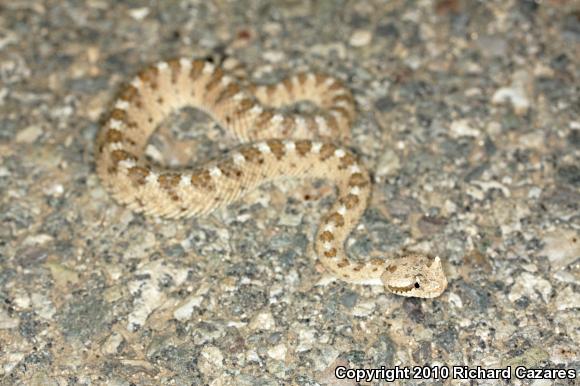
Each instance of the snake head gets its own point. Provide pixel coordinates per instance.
(415, 276)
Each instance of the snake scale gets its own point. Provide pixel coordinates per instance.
(273, 144)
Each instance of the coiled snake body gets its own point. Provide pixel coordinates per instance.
(273, 145)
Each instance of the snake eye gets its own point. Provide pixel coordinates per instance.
(417, 285)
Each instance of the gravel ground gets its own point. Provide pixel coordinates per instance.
(468, 117)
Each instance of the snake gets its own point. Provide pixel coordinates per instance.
(271, 143)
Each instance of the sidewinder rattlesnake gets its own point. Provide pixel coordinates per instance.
(273, 144)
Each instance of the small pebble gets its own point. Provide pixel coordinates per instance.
(462, 128)
(360, 38)
(210, 360)
(567, 299)
(29, 134)
(263, 321)
(278, 352)
(139, 13)
(364, 309)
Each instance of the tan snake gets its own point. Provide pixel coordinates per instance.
(273, 144)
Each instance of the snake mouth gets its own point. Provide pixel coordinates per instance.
(404, 289)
